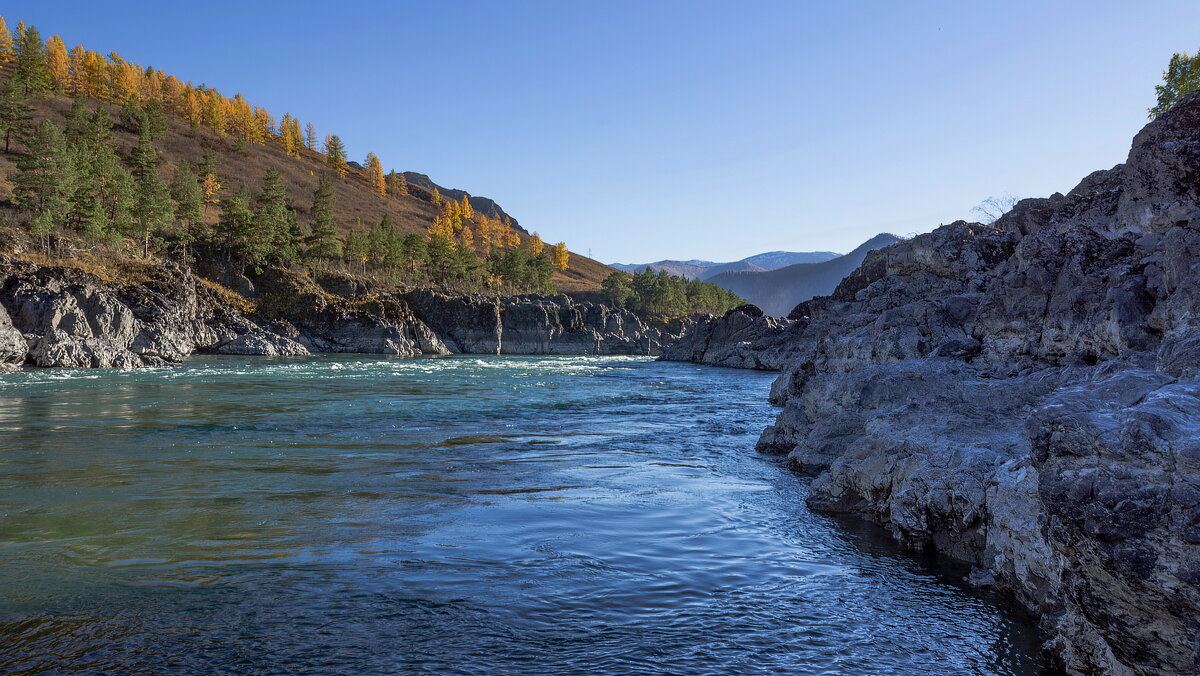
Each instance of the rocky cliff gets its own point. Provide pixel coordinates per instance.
(1024, 396)
(60, 316)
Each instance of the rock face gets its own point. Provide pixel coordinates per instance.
(743, 338)
(53, 316)
(1023, 396)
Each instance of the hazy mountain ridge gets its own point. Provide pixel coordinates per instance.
(779, 290)
(704, 270)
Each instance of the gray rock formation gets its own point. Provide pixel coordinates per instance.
(743, 338)
(53, 316)
(1023, 396)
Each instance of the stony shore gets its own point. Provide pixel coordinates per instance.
(1024, 396)
(63, 317)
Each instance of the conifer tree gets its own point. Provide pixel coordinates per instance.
(436, 198)
(7, 51)
(536, 245)
(323, 242)
(189, 205)
(272, 218)
(396, 183)
(375, 174)
(15, 114)
(58, 64)
(44, 180)
(236, 232)
(31, 71)
(416, 255)
(560, 257)
(464, 208)
(310, 137)
(104, 199)
(210, 180)
(153, 209)
(335, 154)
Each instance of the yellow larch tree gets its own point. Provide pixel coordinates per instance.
(264, 124)
(191, 110)
(286, 140)
(465, 209)
(536, 245)
(172, 94)
(209, 188)
(6, 43)
(466, 237)
(77, 63)
(511, 236)
(58, 63)
(214, 115)
(95, 75)
(375, 174)
(310, 136)
(560, 257)
(441, 227)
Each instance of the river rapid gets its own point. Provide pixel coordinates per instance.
(353, 514)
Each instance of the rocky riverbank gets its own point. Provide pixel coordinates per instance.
(64, 317)
(1024, 396)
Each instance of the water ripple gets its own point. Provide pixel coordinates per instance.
(348, 514)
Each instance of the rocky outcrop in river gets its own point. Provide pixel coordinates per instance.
(61, 316)
(1024, 396)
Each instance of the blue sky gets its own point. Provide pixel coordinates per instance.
(648, 130)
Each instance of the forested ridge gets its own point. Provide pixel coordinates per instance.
(110, 158)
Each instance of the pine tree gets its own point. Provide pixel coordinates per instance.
(357, 248)
(416, 255)
(58, 64)
(335, 154)
(237, 232)
(153, 209)
(44, 181)
(323, 242)
(154, 120)
(272, 218)
(7, 51)
(189, 205)
(15, 114)
(375, 174)
(31, 71)
(104, 199)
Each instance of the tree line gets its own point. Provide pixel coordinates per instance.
(74, 182)
(661, 294)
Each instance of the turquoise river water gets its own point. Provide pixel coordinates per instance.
(352, 514)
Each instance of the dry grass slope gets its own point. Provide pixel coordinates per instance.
(355, 197)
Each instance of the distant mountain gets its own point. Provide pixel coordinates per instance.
(778, 291)
(703, 270)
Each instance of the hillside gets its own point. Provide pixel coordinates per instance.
(778, 291)
(704, 270)
(358, 204)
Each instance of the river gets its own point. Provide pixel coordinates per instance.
(354, 514)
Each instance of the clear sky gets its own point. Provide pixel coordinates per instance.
(702, 129)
